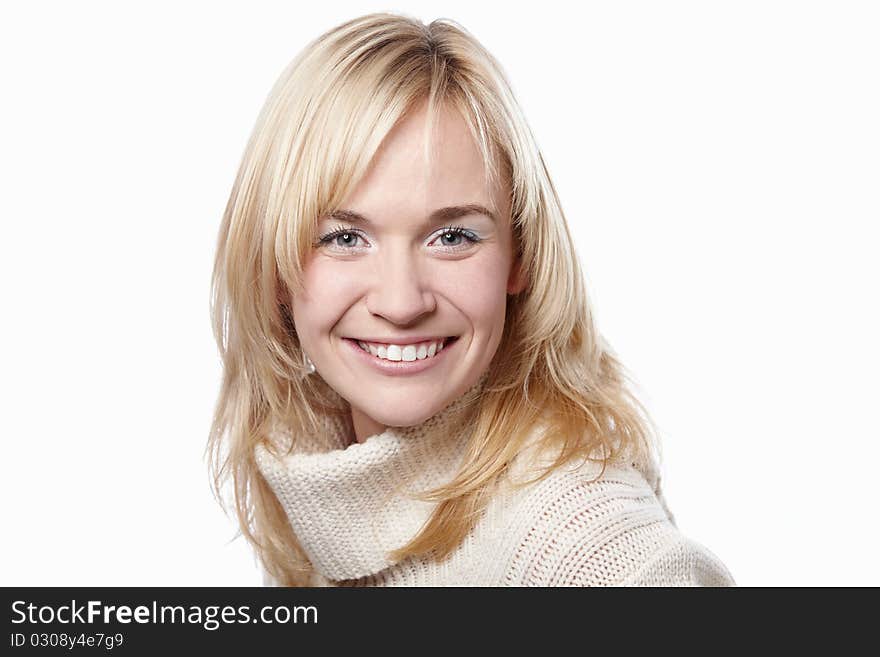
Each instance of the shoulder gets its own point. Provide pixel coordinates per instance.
(584, 527)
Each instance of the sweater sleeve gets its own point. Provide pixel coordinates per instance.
(614, 531)
(650, 552)
(683, 562)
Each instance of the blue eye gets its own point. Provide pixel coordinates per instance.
(349, 235)
(457, 232)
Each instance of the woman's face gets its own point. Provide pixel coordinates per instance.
(397, 276)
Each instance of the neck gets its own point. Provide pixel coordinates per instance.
(364, 425)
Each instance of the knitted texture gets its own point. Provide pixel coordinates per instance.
(350, 504)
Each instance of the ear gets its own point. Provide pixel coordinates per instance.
(517, 280)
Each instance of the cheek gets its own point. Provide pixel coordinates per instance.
(477, 287)
(328, 291)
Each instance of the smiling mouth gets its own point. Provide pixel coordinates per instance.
(404, 353)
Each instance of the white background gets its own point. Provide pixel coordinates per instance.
(719, 164)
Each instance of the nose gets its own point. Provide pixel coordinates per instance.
(400, 289)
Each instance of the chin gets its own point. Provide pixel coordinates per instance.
(404, 413)
(404, 407)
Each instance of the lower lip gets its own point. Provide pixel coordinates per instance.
(400, 367)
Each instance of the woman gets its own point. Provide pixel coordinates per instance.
(414, 390)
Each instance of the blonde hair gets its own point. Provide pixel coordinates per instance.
(313, 141)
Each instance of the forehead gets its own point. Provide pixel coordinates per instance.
(420, 167)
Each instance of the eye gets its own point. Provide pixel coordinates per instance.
(455, 238)
(343, 238)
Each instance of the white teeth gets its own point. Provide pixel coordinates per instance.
(406, 353)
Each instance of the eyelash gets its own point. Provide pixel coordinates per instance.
(469, 235)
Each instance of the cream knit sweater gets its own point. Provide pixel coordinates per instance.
(348, 507)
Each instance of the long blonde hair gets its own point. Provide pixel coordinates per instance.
(313, 141)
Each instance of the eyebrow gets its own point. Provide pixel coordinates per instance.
(441, 215)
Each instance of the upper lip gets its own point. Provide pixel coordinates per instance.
(401, 339)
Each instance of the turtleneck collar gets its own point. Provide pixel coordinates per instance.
(351, 503)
